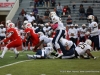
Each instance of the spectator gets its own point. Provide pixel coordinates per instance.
(74, 6)
(41, 2)
(81, 12)
(30, 17)
(47, 3)
(69, 11)
(89, 11)
(53, 2)
(55, 10)
(20, 20)
(46, 14)
(40, 21)
(22, 12)
(65, 10)
(36, 2)
(59, 9)
(69, 20)
(35, 10)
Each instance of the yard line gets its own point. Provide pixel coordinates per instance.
(14, 63)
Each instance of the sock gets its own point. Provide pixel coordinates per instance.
(4, 51)
(37, 56)
(15, 51)
(26, 48)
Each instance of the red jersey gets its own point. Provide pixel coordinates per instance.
(15, 34)
(33, 35)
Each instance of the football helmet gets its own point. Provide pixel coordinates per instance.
(7, 22)
(40, 33)
(28, 25)
(90, 18)
(11, 25)
(52, 14)
(25, 22)
(84, 25)
(89, 42)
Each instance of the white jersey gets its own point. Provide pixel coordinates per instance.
(60, 26)
(82, 32)
(94, 28)
(82, 47)
(77, 30)
(46, 30)
(66, 42)
(2, 31)
(72, 31)
(45, 39)
(48, 50)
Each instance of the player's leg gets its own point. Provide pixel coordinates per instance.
(16, 52)
(4, 51)
(56, 40)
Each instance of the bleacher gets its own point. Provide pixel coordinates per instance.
(28, 5)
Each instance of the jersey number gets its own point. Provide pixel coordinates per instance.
(82, 46)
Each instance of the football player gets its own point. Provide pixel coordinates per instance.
(60, 32)
(42, 53)
(31, 35)
(93, 29)
(68, 49)
(14, 37)
(82, 48)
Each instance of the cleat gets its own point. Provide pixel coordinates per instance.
(30, 56)
(59, 55)
(16, 56)
(1, 57)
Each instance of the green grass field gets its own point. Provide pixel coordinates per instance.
(23, 66)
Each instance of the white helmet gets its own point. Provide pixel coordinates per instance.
(40, 33)
(7, 22)
(83, 25)
(76, 24)
(25, 22)
(28, 25)
(89, 42)
(91, 17)
(55, 19)
(52, 14)
(34, 24)
(11, 25)
(46, 24)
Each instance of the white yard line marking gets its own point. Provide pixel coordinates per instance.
(14, 63)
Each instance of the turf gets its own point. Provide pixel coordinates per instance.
(49, 66)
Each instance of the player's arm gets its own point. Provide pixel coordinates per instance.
(94, 31)
(9, 34)
(38, 44)
(89, 54)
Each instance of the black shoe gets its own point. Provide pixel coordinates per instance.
(16, 56)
